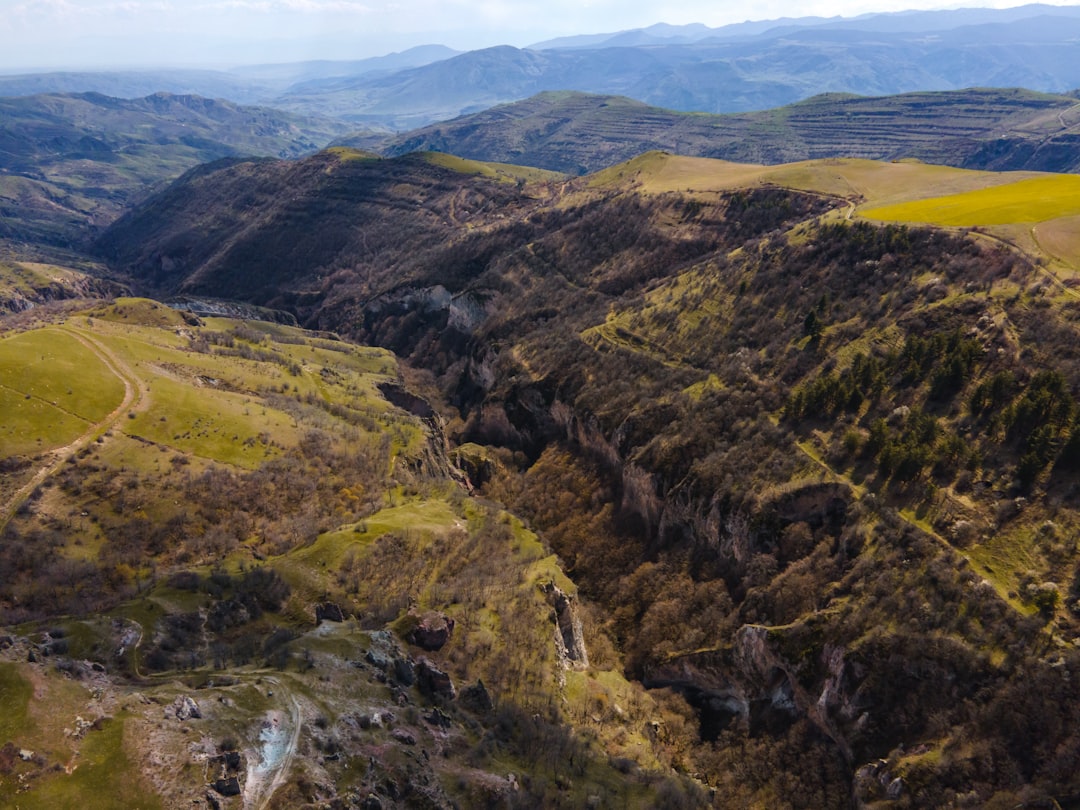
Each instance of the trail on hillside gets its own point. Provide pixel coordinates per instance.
(56, 457)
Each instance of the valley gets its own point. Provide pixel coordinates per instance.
(680, 417)
(804, 454)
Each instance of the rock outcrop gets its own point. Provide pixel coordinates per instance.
(569, 638)
(432, 681)
(432, 631)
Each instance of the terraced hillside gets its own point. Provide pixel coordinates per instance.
(579, 133)
(817, 471)
(241, 577)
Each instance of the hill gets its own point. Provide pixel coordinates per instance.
(69, 164)
(816, 470)
(577, 133)
(242, 576)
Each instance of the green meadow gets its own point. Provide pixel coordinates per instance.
(53, 366)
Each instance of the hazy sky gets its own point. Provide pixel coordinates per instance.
(85, 33)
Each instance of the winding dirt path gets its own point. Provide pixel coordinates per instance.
(55, 458)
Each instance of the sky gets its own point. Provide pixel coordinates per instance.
(57, 34)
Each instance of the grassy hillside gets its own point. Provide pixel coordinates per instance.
(184, 498)
(579, 133)
(817, 471)
(72, 163)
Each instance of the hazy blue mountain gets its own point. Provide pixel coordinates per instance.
(1040, 52)
(736, 68)
(891, 22)
(293, 72)
(248, 84)
(662, 33)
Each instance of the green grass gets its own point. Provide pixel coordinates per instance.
(504, 172)
(1034, 200)
(55, 367)
(418, 516)
(15, 694)
(141, 311)
(227, 427)
(30, 426)
(105, 779)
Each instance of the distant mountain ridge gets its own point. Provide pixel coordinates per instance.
(693, 68)
(1035, 50)
(893, 22)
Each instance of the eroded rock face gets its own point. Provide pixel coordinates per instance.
(432, 681)
(569, 638)
(432, 631)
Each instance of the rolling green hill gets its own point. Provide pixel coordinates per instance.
(815, 471)
(579, 133)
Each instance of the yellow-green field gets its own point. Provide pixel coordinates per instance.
(870, 182)
(504, 172)
(52, 389)
(1033, 200)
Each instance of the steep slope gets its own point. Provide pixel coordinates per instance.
(69, 164)
(210, 232)
(240, 576)
(577, 133)
(819, 472)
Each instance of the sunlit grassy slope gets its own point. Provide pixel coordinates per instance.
(1037, 211)
(863, 181)
(1034, 200)
(217, 392)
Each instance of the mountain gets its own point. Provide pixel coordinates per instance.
(69, 164)
(692, 68)
(578, 133)
(294, 72)
(810, 454)
(1035, 50)
(248, 84)
(892, 22)
(664, 34)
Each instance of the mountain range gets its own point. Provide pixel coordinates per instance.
(737, 68)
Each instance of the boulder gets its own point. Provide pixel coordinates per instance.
(432, 681)
(404, 671)
(185, 708)
(402, 736)
(227, 787)
(438, 718)
(476, 698)
(432, 631)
